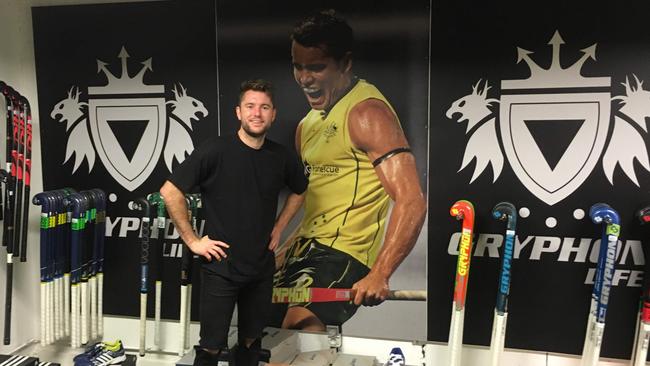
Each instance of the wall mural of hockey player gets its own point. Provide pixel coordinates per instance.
(357, 159)
(254, 39)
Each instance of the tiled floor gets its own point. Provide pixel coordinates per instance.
(435, 353)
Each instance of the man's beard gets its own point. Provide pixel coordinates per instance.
(253, 133)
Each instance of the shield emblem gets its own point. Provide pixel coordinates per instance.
(552, 182)
(106, 114)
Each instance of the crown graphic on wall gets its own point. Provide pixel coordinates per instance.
(556, 76)
(125, 84)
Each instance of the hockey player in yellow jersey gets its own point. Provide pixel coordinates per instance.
(357, 159)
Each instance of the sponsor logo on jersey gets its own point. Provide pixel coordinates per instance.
(330, 131)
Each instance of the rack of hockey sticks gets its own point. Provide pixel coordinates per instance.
(14, 206)
(600, 214)
(151, 266)
(72, 234)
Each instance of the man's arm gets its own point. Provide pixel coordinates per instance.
(177, 209)
(374, 129)
(291, 206)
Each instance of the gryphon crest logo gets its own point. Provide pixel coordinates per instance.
(555, 97)
(127, 101)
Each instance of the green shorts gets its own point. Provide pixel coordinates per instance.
(312, 264)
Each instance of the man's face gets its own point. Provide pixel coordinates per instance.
(256, 113)
(321, 78)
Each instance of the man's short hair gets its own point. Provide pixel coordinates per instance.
(259, 85)
(325, 30)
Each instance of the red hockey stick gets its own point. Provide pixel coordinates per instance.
(315, 294)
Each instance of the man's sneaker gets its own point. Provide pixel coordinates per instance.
(90, 352)
(110, 354)
(396, 357)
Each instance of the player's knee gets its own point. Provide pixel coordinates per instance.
(301, 318)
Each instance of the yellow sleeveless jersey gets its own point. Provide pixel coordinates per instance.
(345, 204)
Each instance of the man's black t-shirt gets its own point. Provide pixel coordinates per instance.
(239, 189)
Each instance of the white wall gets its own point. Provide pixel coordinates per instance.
(17, 70)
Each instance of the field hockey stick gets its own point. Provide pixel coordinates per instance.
(195, 204)
(67, 261)
(85, 266)
(53, 267)
(315, 294)
(101, 224)
(92, 281)
(12, 140)
(27, 170)
(7, 225)
(504, 211)
(17, 166)
(461, 210)
(58, 233)
(41, 200)
(97, 234)
(49, 268)
(3, 89)
(20, 169)
(4, 93)
(588, 345)
(185, 262)
(55, 263)
(85, 272)
(156, 200)
(76, 202)
(8, 282)
(100, 238)
(53, 242)
(601, 213)
(642, 335)
(142, 204)
(92, 260)
(56, 250)
(63, 255)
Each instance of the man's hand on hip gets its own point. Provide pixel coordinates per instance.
(209, 248)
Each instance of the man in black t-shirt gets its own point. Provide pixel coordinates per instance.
(240, 178)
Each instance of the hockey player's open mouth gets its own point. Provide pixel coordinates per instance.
(313, 93)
